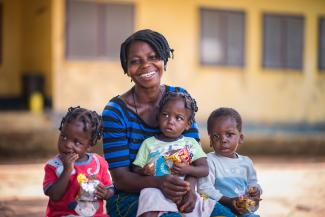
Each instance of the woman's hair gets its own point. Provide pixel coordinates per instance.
(224, 112)
(189, 102)
(156, 40)
(91, 120)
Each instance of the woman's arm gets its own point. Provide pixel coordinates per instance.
(172, 186)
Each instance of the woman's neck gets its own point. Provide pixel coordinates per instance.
(147, 95)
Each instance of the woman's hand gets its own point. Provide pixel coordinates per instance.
(188, 202)
(173, 187)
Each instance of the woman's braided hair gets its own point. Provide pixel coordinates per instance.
(91, 120)
(189, 102)
(156, 40)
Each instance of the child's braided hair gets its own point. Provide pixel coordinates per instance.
(156, 40)
(91, 120)
(189, 102)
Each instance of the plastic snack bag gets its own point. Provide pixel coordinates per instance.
(87, 188)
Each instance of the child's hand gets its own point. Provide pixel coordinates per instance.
(231, 203)
(238, 210)
(254, 192)
(180, 169)
(102, 192)
(149, 169)
(69, 160)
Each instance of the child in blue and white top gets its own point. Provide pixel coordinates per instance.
(176, 113)
(232, 179)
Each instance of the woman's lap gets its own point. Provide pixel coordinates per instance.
(126, 205)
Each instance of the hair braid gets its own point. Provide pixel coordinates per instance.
(92, 121)
(189, 102)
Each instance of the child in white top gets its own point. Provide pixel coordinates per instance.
(232, 177)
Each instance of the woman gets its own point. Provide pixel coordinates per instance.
(131, 117)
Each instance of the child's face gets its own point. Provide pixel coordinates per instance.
(73, 139)
(174, 118)
(144, 66)
(225, 137)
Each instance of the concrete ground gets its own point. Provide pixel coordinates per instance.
(292, 187)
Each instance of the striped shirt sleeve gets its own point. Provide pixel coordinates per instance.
(115, 140)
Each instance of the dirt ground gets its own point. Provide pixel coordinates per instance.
(291, 187)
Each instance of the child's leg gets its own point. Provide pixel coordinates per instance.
(152, 200)
(221, 211)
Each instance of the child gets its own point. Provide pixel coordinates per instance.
(76, 181)
(232, 178)
(176, 113)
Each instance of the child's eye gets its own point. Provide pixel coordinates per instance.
(216, 137)
(179, 118)
(63, 137)
(164, 115)
(78, 143)
(229, 135)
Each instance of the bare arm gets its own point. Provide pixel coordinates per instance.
(199, 168)
(147, 170)
(57, 190)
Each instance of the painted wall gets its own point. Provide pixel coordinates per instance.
(36, 40)
(260, 95)
(26, 44)
(10, 67)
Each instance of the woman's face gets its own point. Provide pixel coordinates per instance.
(144, 66)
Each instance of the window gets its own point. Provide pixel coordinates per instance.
(321, 52)
(283, 41)
(96, 30)
(222, 37)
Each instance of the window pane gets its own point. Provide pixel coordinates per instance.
(119, 26)
(81, 29)
(235, 39)
(211, 44)
(283, 41)
(294, 42)
(273, 42)
(222, 37)
(96, 29)
(322, 44)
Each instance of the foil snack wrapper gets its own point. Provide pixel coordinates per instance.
(87, 188)
(182, 155)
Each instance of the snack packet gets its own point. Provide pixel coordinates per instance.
(182, 155)
(246, 203)
(87, 187)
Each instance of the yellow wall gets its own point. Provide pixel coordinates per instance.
(26, 43)
(260, 95)
(11, 51)
(36, 39)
